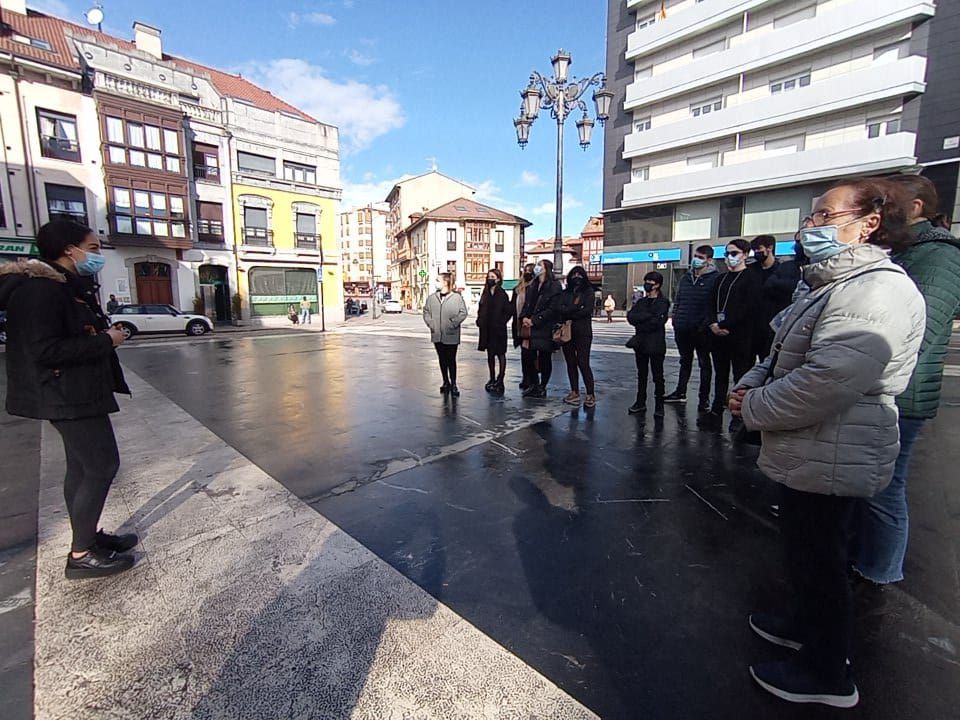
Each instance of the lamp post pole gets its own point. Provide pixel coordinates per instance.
(561, 96)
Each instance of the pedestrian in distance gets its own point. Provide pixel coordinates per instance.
(575, 305)
(305, 311)
(824, 403)
(609, 305)
(692, 318)
(732, 324)
(444, 313)
(112, 305)
(540, 314)
(778, 279)
(931, 258)
(528, 356)
(493, 314)
(649, 342)
(292, 315)
(62, 367)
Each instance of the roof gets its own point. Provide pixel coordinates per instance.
(466, 209)
(57, 34)
(594, 226)
(398, 183)
(570, 243)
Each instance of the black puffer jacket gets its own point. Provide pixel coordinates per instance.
(60, 363)
(648, 317)
(541, 307)
(692, 309)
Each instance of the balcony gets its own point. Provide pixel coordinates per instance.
(886, 153)
(210, 231)
(878, 82)
(206, 173)
(306, 241)
(257, 237)
(59, 148)
(851, 21)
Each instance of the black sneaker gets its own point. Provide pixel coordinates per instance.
(703, 407)
(676, 397)
(793, 682)
(637, 408)
(490, 385)
(454, 390)
(445, 388)
(117, 543)
(536, 391)
(776, 629)
(97, 563)
(498, 388)
(658, 409)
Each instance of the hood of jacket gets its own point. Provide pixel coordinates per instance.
(926, 231)
(852, 260)
(14, 274)
(707, 270)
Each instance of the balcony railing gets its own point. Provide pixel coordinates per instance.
(204, 172)
(210, 231)
(59, 148)
(257, 237)
(307, 241)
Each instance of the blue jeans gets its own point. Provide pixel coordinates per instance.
(882, 525)
(304, 316)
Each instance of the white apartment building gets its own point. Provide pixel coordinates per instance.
(362, 233)
(732, 116)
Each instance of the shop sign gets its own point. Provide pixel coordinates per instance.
(641, 256)
(265, 299)
(9, 247)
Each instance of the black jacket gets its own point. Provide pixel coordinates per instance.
(691, 309)
(60, 363)
(776, 288)
(648, 317)
(736, 295)
(540, 306)
(493, 314)
(577, 307)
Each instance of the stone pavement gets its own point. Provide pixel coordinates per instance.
(246, 603)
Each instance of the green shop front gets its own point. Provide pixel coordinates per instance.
(11, 250)
(274, 289)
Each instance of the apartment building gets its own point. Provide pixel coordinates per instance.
(363, 248)
(591, 239)
(732, 116)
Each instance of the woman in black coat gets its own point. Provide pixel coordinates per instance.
(540, 314)
(528, 363)
(648, 317)
(493, 314)
(62, 367)
(575, 304)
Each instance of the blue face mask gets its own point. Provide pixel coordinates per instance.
(91, 264)
(734, 260)
(538, 270)
(698, 263)
(820, 243)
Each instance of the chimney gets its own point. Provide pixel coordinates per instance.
(14, 6)
(147, 39)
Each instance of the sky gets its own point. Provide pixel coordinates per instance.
(412, 84)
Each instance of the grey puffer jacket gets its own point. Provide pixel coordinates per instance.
(828, 416)
(444, 316)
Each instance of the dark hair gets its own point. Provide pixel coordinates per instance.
(547, 265)
(741, 244)
(765, 241)
(57, 235)
(920, 188)
(890, 201)
(654, 277)
(706, 250)
(496, 271)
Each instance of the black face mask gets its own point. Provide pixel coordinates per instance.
(491, 284)
(649, 287)
(528, 277)
(578, 281)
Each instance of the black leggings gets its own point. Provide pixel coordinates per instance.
(92, 463)
(528, 366)
(447, 354)
(492, 358)
(731, 352)
(544, 364)
(577, 354)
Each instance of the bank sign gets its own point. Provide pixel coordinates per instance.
(642, 256)
(8, 247)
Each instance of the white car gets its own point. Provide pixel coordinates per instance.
(135, 319)
(392, 306)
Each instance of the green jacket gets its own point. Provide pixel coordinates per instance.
(933, 262)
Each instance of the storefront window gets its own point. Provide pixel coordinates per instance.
(273, 290)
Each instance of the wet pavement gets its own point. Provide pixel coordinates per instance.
(619, 556)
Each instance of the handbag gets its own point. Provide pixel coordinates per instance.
(526, 332)
(563, 332)
(633, 343)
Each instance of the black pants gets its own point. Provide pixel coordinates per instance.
(528, 366)
(730, 352)
(92, 463)
(447, 354)
(654, 365)
(690, 342)
(577, 354)
(492, 358)
(814, 529)
(542, 366)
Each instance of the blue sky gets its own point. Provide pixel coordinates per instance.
(409, 83)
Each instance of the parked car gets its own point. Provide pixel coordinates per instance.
(354, 307)
(136, 319)
(392, 306)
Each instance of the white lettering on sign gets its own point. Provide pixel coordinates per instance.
(14, 248)
(951, 143)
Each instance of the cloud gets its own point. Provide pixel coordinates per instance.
(363, 112)
(368, 191)
(294, 19)
(57, 8)
(530, 179)
(550, 208)
(489, 193)
(358, 58)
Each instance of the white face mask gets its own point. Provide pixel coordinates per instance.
(538, 270)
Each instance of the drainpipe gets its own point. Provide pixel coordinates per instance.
(27, 164)
(13, 205)
(233, 217)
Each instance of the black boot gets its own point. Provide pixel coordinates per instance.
(658, 408)
(640, 405)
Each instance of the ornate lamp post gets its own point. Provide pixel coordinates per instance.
(561, 96)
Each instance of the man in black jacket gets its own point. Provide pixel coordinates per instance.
(648, 317)
(691, 321)
(62, 367)
(778, 280)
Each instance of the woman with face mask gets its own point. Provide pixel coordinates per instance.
(824, 403)
(62, 367)
(493, 314)
(528, 363)
(444, 313)
(539, 315)
(576, 305)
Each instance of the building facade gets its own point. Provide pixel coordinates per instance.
(732, 116)
(591, 249)
(363, 248)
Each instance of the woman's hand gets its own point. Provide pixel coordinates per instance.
(735, 402)
(116, 336)
(527, 322)
(718, 331)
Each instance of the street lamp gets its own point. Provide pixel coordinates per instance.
(561, 96)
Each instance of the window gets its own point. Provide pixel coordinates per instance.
(885, 127)
(499, 244)
(771, 222)
(116, 155)
(646, 21)
(206, 162)
(642, 73)
(135, 135)
(138, 158)
(154, 214)
(255, 230)
(889, 53)
(154, 161)
(65, 202)
(153, 137)
(115, 130)
(690, 230)
(171, 141)
(642, 124)
(702, 162)
(785, 146)
(3, 215)
(791, 83)
(731, 216)
(452, 269)
(451, 238)
(210, 221)
(796, 16)
(259, 164)
(33, 42)
(306, 230)
(710, 48)
(173, 164)
(300, 173)
(58, 135)
(705, 108)
(640, 174)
